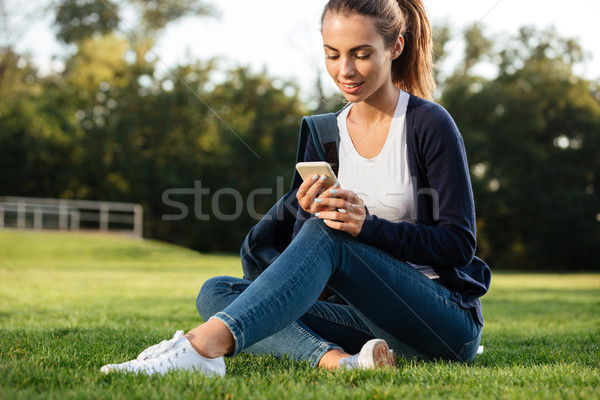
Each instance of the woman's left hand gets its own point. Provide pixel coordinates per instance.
(342, 210)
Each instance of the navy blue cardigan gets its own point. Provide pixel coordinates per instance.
(444, 235)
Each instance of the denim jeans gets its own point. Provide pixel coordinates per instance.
(279, 314)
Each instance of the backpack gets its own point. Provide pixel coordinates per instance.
(273, 233)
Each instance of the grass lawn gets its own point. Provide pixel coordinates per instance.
(71, 303)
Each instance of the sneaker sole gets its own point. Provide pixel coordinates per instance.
(382, 356)
(376, 354)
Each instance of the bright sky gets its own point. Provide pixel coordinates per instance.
(283, 36)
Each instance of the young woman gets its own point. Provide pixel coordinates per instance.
(395, 239)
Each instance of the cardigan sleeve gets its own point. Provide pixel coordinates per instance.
(444, 234)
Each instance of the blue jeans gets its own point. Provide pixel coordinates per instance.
(386, 298)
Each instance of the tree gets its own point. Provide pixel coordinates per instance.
(38, 133)
(81, 19)
(531, 133)
(157, 14)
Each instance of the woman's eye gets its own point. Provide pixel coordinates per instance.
(363, 56)
(332, 57)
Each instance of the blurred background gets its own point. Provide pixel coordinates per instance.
(146, 101)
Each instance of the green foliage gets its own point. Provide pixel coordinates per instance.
(441, 38)
(477, 46)
(77, 20)
(80, 19)
(71, 303)
(532, 136)
(37, 135)
(156, 14)
(99, 59)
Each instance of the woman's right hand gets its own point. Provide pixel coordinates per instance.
(309, 191)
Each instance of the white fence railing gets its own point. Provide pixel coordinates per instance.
(74, 215)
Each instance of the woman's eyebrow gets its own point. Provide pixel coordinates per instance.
(362, 46)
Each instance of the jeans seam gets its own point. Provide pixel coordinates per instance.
(320, 352)
(463, 348)
(344, 322)
(323, 347)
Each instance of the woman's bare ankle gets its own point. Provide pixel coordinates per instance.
(331, 359)
(212, 339)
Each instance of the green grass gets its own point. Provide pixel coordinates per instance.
(71, 303)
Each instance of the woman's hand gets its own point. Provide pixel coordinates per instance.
(309, 191)
(342, 210)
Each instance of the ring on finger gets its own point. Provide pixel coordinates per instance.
(351, 207)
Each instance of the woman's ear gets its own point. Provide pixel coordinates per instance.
(398, 47)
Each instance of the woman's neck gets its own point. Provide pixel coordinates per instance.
(379, 106)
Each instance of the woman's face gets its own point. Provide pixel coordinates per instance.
(356, 56)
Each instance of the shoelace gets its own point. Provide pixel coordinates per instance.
(153, 364)
(160, 348)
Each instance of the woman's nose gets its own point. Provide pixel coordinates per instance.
(347, 68)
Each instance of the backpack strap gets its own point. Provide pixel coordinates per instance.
(323, 130)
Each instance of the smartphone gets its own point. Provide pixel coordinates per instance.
(308, 169)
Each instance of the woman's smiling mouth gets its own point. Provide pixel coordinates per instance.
(351, 87)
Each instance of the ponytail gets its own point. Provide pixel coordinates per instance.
(412, 71)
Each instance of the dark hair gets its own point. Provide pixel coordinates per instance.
(412, 71)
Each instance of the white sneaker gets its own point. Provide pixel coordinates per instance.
(374, 354)
(173, 354)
